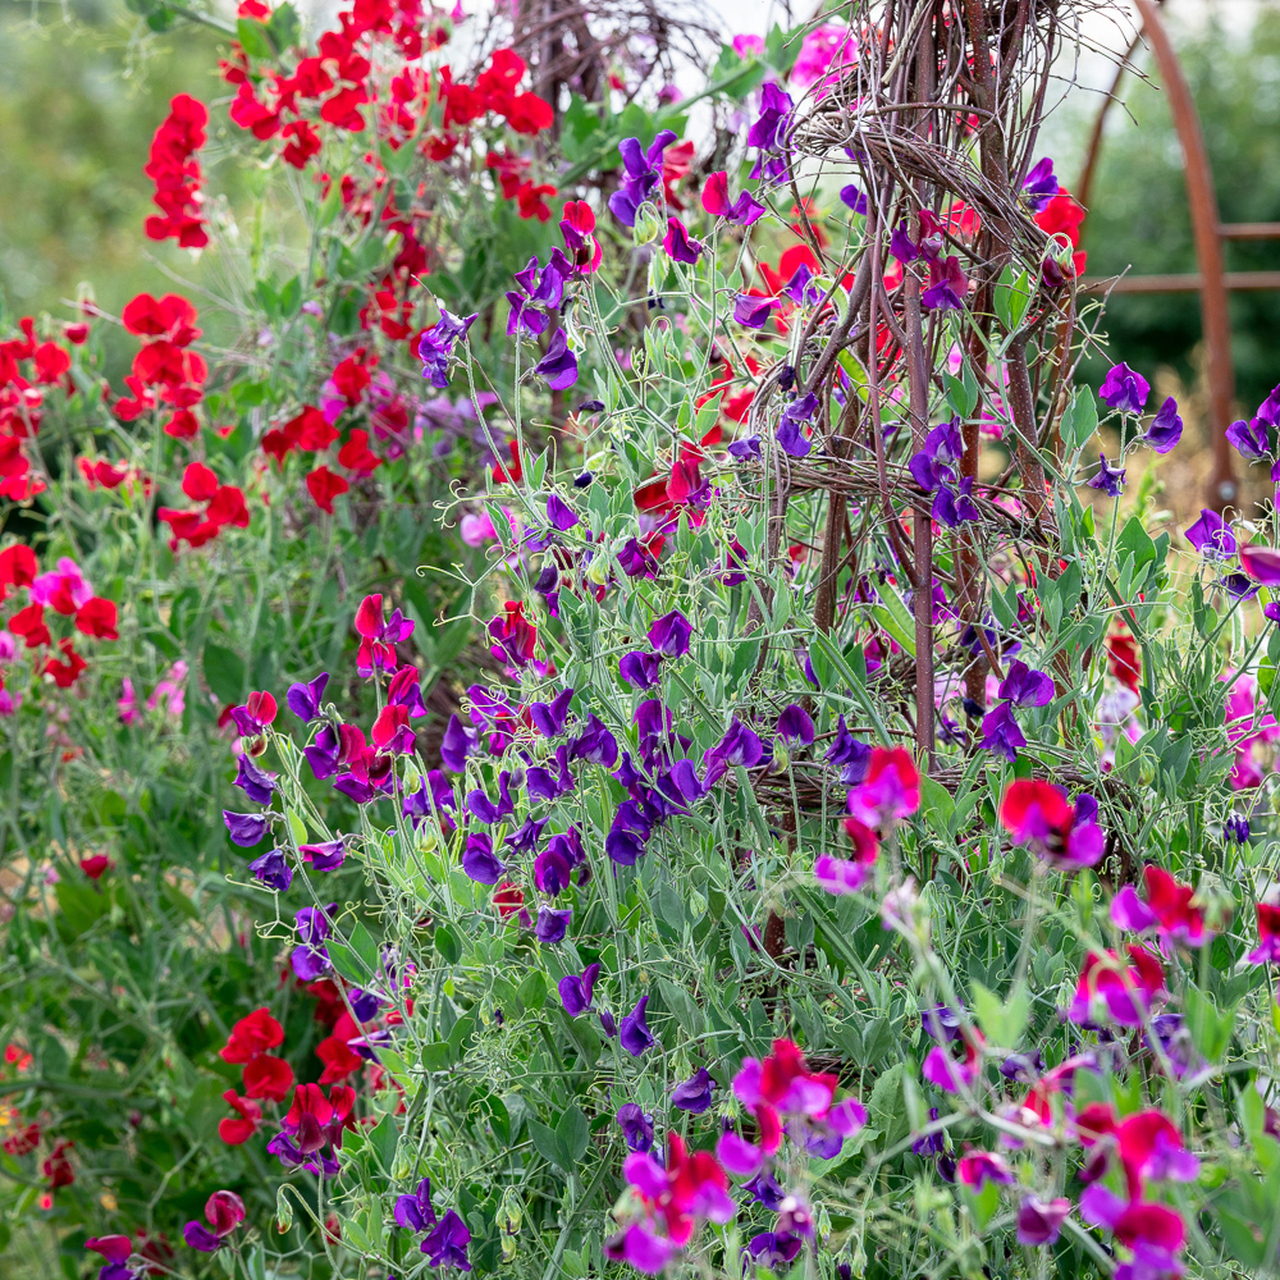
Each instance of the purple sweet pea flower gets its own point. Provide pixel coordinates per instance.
(1262, 564)
(803, 290)
(1040, 1223)
(256, 783)
(595, 744)
(774, 1250)
(1124, 389)
(796, 413)
(948, 286)
(560, 514)
(739, 746)
(636, 559)
(1166, 427)
(1025, 687)
(642, 171)
(559, 367)
(272, 870)
(309, 958)
(1212, 537)
(640, 668)
(752, 311)
(246, 829)
(640, 1248)
(1109, 479)
(198, 1236)
(414, 1212)
(479, 861)
(934, 465)
(328, 855)
(549, 718)
(767, 134)
(953, 508)
(749, 447)
(694, 1094)
(855, 199)
(576, 990)
(446, 1246)
(485, 810)
(552, 925)
(637, 1128)
(524, 319)
(634, 1034)
(670, 634)
(436, 347)
(304, 699)
(902, 246)
(1250, 439)
(795, 726)
(1000, 733)
(680, 247)
(458, 743)
(1041, 186)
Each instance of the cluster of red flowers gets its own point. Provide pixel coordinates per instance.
(21, 399)
(223, 505)
(174, 169)
(165, 370)
(266, 1077)
(1063, 216)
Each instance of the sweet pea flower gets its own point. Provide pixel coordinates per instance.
(978, 1168)
(1040, 186)
(1039, 814)
(559, 366)
(1124, 389)
(753, 311)
(305, 699)
(1166, 427)
(890, 791)
(414, 1212)
(634, 1034)
(670, 635)
(679, 245)
(576, 990)
(378, 636)
(446, 1246)
(642, 171)
(224, 1211)
(948, 286)
(1108, 989)
(1169, 910)
(246, 829)
(273, 870)
(694, 1095)
(637, 1128)
(953, 1075)
(715, 200)
(1268, 949)
(1212, 537)
(1109, 479)
(1040, 1223)
(435, 347)
(1250, 439)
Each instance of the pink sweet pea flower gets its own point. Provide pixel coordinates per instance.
(891, 789)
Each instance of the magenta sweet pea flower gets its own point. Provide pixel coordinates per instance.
(948, 286)
(1124, 389)
(679, 245)
(891, 789)
(559, 367)
(1040, 185)
(977, 1168)
(1262, 564)
(1040, 1223)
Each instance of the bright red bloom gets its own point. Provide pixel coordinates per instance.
(18, 567)
(891, 789)
(1107, 987)
(182, 425)
(1169, 909)
(30, 625)
(22, 1142)
(232, 1130)
(531, 200)
(228, 507)
(514, 635)
(176, 173)
(340, 1060)
(353, 375)
(325, 485)
(254, 1034)
(267, 1077)
(57, 1166)
(66, 672)
(18, 1057)
(1039, 814)
(313, 1119)
(356, 455)
(1123, 659)
(508, 898)
(97, 618)
(171, 317)
(96, 866)
(304, 142)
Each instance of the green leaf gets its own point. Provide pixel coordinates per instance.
(254, 38)
(82, 905)
(284, 28)
(290, 295)
(1210, 1030)
(545, 1143)
(365, 947)
(224, 673)
(447, 943)
(572, 1136)
(1003, 1021)
(1080, 420)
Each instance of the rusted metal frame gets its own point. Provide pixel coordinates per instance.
(1249, 230)
(1203, 203)
(1183, 282)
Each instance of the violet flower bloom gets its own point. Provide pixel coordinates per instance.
(694, 1094)
(981, 1167)
(1109, 479)
(948, 286)
(524, 319)
(549, 718)
(1040, 186)
(1025, 687)
(304, 699)
(552, 925)
(1124, 389)
(679, 245)
(768, 134)
(642, 171)
(934, 464)
(1262, 564)
(637, 1128)
(1040, 1223)
(640, 668)
(198, 1236)
(636, 559)
(561, 514)
(775, 1250)
(848, 752)
(576, 990)
(1212, 537)
(839, 876)
(559, 367)
(796, 413)
(795, 726)
(310, 958)
(1236, 828)
(1166, 429)
(327, 855)
(804, 290)
(256, 783)
(670, 634)
(902, 246)
(246, 829)
(634, 1034)
(855, 199)
(1250, 439)
(485, 810)
(414, 1212)
(542, 784)
(435, 349)
(752, 311)
(740, 746)
(272, 870)
(943, 1023)
(446, 1246)
(458, 743)
(479, 861)
(595, 744)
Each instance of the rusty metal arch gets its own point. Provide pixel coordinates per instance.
(1212, 281)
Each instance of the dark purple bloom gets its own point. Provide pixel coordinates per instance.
(1025, 687)
(446, 1246)
(1166, 427)
(198, 1236)
(636, 559)
(1023, 1067)
(458, 743)
(304, 699)
(752, 311)
(485, 810)
(745, 448)
(552, 871)
(637, 1128)
(796, 413)
(541, 784)
(767, 134)
(524, 318)
(739, 747)
(479, 861)
(1124, 389)
(678, 244)
(436, 347)
(310, 959)
(323, 754)
(795, 726)
(595, 744)
(328, 855)
(670, 634)
(931, 1144)
(680, 783)
(552, 925)
(934, 465)
(764, 1189)
(948, 286)
(272, 870)
(943, 1023)
(576, 990)
(364, 1004)
(246, 829)
(524, 839)
(1041, 185)
(641, 173)
(855, 199)
(1000, 733)
(902, 246)
(694, 1094)
(1236, 828)
(640, 668)
(1109, 479)
(635, 1035)
(414, 1212)
(560, 514)
(953, 508)
(549, 717)
(256, 783)
(774, 1249)
(559, 367)
(1250, 438)
(1212, 537)
(607, 1024)
(1040, 1223)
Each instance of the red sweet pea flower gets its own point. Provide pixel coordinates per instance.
(67, 672)
(254, 1034)
(30, 625)
(1123, 659)
(199, 482)
(340, 1060)
(356, 455)
(96, 866)
(97, 618)
(22, 1142)
(57, 1166)
(228, 507)
(1169, 909)
(172, 317)
(531, 200)
(1107, 988)
(182, 425)
(314, 1120)
(325, 485)
(304, 142)
(267, 1077)
(514, 635)
(353, 375)
(114, 1248)
(232, 1130)
(18, 567)
(891, 789)
(508, 898)
(1039, 814)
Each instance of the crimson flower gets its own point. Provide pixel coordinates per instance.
(1039, 814)
(1169, 909)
